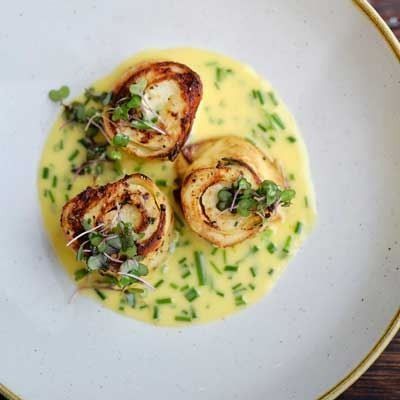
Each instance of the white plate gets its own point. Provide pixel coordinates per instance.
(337, 297)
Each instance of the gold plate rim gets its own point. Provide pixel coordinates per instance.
(394, 325)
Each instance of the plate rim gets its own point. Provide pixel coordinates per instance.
(394, 326)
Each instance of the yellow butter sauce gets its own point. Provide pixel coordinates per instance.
(235, 102)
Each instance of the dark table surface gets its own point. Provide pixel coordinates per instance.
(382, 380)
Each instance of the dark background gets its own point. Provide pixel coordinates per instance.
(382, 380)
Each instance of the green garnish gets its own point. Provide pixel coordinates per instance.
(298, 228)
(272, 97)
(192, 294)
(100, 294)
(306, 201)
(54, 181)
(270, 271)
(251, 286)
(80, 274)
(277, 120)
(161, 182)
(231, 268)
(219, 293)
(184, 287)
(120, 140)
(164, 300)
(73, 155)
(57, 95)
(262, 127)
(173, 285)
(288, 242)
(271, 248)
(155, 312)
(214, 251)
(253, 272)
(240, 301)
(183, 318)
(182, 260)
(242, 199)
(291, 139)
(45, 172)
(216, 269)
(159, 283)
(200, 267)
(113, 154)
(186, 274)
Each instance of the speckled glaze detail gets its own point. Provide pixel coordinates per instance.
(394, 325)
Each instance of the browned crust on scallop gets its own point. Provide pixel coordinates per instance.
(191, 90)
(75, 209)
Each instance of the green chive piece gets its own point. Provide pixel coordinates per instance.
(288, 242)
(100, 294)
(184, 288)
(224, 256)
(155, 312)
(272, 97)
(200, 267)
(292, 177)
(291, 139)
(253, 272)
(51, 196)
(193, 312)
(262, 127)
(161, 182)
(45, 173)
(270, 271)
(159, 283)
(272, 138)
(277, 120)
(143, 306)
(231, 268)
(217, 270)
(306, 201)
(173, 285)
(240, 301)
(237, 286)
(80, 273)
(298, 228)
(164, 300)
(73, 155)
(192, 294)
(182, 318)
(182, 260)
(186, 274)
(251, 286)
(221, 294)
(214, 251)
(54, 182)
(260, 97)
(271, 248)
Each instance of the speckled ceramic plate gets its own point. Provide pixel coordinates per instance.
(338, 298)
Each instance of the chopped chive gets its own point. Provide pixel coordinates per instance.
(262, 127)
(298, 228)
(224, 256)
(288, 242)
(251, 286)
(272, 97)
(155, 312)
(186, 274)
(54, 182)
(182, 260)
(271, 248)
(143, 306)
(254, 93)
(173, 285)
(200, 267)
(272, 138)
(179, 221)
(184, 288)
(59, 146)
(191, 294)
(260, 97)
(193, 312)
(276, 118)
(100, 294)
(51, 196)
(253, 272)
(159, 283)
(164, 300)
(161, 182)
(220, 293)
(45, 173)
(66, 197)
(306, 201)
(291, 139)
(80, 273)
(214, 250)
(240, 301)
(270, 271)
(237, 286)
(217, 270)
(182, 318)
(231, 268)
(185, 312)
(292, 177)
(73, 155)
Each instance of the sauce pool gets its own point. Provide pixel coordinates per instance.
(235, 102)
